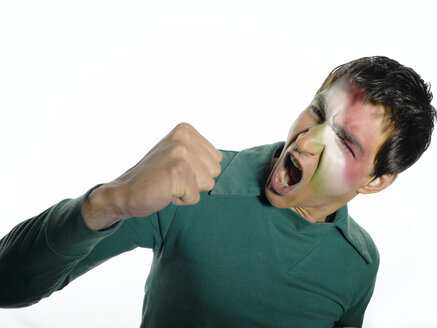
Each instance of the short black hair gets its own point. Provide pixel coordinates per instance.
(407, 101)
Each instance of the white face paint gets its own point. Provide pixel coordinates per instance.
(335, 141)
(329, 176)
(343, 159)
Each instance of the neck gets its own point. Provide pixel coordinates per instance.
(315, 214)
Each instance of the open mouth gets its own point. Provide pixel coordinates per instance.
(287, 175)
(291, 173)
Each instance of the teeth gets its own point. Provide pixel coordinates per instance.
(282, 179)
(295, 162)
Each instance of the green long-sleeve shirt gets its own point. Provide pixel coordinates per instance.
(232, 260)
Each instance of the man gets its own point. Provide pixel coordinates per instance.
(268, 241)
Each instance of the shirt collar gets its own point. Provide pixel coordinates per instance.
(237, 179)
(240, 168)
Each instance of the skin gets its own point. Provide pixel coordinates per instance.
(184, 163)
(175, 171)
(333, 171)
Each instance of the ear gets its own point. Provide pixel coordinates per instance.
(378, 184)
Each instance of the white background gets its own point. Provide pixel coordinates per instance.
(88, 87)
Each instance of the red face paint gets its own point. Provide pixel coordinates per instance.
(321, 139)
(362, 121)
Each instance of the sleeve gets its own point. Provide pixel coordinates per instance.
(354, 316)
(43, 254)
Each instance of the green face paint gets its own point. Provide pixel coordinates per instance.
(342, 163)
(333, 142)
(317, 183)
(329, 176)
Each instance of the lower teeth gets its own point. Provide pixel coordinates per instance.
(282, 178)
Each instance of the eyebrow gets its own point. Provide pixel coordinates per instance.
(321, 100)
(351, 138)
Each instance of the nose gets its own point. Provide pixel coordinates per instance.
(311, 142)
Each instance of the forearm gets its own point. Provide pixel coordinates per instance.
(37, 256)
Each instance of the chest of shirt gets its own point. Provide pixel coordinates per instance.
(245, 260)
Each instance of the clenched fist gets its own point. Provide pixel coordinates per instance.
(175, 171)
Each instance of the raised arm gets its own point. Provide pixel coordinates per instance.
(43, 254)
(175, 171)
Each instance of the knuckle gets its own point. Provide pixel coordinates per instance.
(216, 170)
(206, 183)
(210, 184)
(180, 168)
(196, 198)
(184, 125)
(179, 149)
(182, 131)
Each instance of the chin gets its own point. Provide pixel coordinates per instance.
(278, 201)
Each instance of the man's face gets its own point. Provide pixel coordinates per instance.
(334, 143)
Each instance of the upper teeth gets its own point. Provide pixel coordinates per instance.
(295, 162)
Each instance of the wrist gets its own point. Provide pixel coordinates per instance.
(100, 209)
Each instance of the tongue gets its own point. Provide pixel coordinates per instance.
(292, 175)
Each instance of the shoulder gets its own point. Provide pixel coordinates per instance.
(367, 245)
(357, 237)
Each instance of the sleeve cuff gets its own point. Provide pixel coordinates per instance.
(67, 232)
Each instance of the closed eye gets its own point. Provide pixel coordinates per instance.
(319, 113)
(345, 145)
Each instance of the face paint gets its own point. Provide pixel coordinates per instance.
(329, 174)
(338, 168)
(367, 128)
(334, 142)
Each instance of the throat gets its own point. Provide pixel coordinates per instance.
(314, 215)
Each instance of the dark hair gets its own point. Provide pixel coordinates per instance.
(407, 101)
